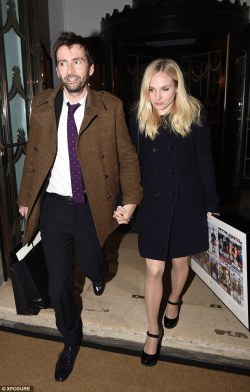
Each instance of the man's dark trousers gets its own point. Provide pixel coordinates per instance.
(66, 227)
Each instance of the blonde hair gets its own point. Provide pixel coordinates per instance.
(184, 111)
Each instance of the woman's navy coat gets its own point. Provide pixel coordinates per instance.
(179, 189)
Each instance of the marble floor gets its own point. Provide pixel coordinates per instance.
(207, 329)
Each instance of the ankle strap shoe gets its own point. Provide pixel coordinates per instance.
(171, 323)
(151, 359)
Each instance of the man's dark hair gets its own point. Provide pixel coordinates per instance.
(69, 38)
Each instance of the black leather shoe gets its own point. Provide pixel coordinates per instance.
(65, 362)
(171, 323)
(151, 359)
(98, 287)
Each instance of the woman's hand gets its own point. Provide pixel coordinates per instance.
(123, 214)
(210, 214)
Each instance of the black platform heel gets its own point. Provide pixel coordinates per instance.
(151, 359)
(171, 323)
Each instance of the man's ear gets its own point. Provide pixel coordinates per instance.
(91, 69)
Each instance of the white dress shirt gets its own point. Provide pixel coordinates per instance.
(60, 181)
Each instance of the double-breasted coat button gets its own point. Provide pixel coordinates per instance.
(157, 194)
(158, 171)
(35, 148)
(155, 149)
(106, 176)
(108, 196)
(102, 156)
(33, 171)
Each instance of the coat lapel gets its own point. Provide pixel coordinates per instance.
(58, 106)
(94, 106)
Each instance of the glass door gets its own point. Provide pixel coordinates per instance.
(19, 80)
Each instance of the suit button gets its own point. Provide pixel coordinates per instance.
(33, 171)
(158, 194)
(106, 176)
(35, 148)
(155, 149)
(102, 156)
(108, 196)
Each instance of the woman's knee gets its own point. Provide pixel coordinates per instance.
(155, 269)
(180, 263)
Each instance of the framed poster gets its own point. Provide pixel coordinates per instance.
(224, 267)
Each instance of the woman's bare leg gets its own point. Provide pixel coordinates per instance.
(179, 274)
(153, 294)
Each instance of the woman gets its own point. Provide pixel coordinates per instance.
(172, 137)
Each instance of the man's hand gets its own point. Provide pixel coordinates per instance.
(123, 214)
(23, 211)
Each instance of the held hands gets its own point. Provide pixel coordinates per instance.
(123, 214)
(23, 211)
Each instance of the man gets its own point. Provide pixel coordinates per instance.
(72, 198)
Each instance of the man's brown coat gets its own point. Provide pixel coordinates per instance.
(107, 158)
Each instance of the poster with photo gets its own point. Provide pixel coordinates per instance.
(203, 260)
(224, 276)
(213, 239)
(223, 238)
(214, 266)
(235, 252)
(224, 266)
(236, 286)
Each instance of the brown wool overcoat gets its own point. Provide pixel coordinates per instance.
(107, 157)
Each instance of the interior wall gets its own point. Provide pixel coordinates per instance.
(85, 17)
(82, 17)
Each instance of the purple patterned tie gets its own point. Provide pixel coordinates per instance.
(75, 170)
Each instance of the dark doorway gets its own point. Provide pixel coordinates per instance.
(209, 41)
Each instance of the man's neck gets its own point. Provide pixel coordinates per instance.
(75, 97)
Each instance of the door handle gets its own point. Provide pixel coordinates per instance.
(20, 144)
